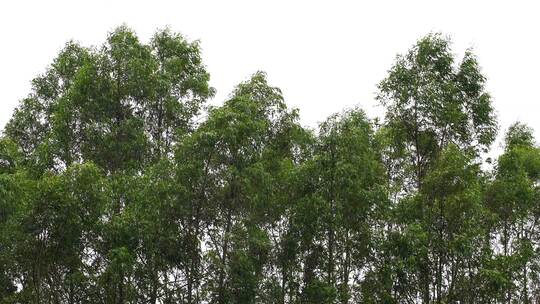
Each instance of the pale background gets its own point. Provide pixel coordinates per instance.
(325, 55)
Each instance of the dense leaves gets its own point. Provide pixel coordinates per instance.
(119, 185)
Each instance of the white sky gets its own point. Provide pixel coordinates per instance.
(324, 55)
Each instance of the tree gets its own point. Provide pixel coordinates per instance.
(513, 198)
(432, 106)
(344, 184)
(121, 106)
(431, 102)
(118, 185)
(246, 140)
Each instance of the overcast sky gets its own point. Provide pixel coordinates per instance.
(324, 55)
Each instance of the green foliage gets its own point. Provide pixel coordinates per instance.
(432, 101)
(118, 185)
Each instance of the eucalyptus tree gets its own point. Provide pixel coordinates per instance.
(244, 143)
(452, 218)
(513, 198)
(120, 107)
(344, 193)
(432, 102)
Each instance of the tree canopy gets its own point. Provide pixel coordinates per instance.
(120, 184)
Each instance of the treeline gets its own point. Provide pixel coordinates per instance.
(119, 184)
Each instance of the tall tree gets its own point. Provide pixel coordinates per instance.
(120, 106)
(345, 188)
(432, 101)
(513, 198)
(246, 138)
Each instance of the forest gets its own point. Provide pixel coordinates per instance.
(120, 183)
